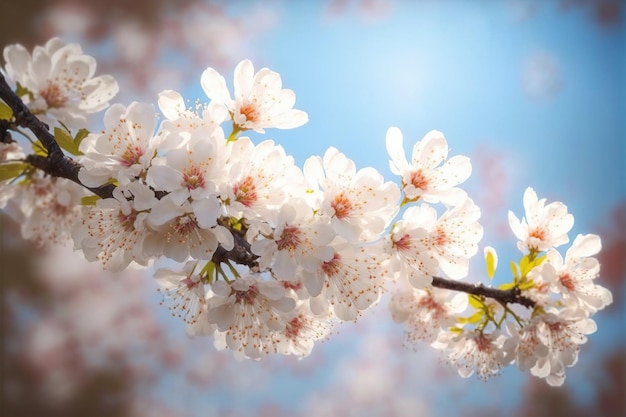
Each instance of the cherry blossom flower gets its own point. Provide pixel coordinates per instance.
(260, 179)
(260, 102)
(179, 233)
(544, 226)
(301, 331)
(574, 276)
(549, 343)
(473, 351)
(300, 240)
(181, 121)
(113, 231)
(424, 177)
(47, 208)
(425, 312)
(183, 292)
(124, 150)
(195, 171)
(422, 244)
(250, 313)
(359, 203)
(347, 284)
(60, 80)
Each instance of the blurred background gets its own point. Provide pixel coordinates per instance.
(532, 90)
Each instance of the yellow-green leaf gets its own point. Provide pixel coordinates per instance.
(89, 200)
(491, 259)
(80, 135)
(12, 169)
(526, 285)
(514, 270)
(507, 286)
(39, 149)
(22, 91)
(475, 301)
(474, 318)
(65, 141)
(5, 111)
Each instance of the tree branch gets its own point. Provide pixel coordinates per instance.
(56, 163)
(512, 296)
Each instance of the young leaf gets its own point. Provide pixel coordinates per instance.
(475, 301)
(5, 111)
(65, 141)
(39, 149)
(89, 200)
(11, 170)
(22, 91)
(491, 258)
(80, 135)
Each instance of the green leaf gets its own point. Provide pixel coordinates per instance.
(491, 260)
(22, 91)
(5, 111)
(80, 135)
(526, 285)
(474, 318)
(514, 270)
(39, 149)
(12, 169)
(475, 301)
(89, 200)
(65, 141)
(507, 286)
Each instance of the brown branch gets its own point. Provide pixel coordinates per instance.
(56, 163)
(512, 296)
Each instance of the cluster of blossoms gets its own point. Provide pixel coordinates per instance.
(271, 255)
(560, 294)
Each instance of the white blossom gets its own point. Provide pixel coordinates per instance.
(259, 101)
(574, 276)
(544, 226)
(425, 177)
(61, 82)
(359, 203)
(124, 150)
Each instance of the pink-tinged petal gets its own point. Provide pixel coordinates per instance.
(214, 86)
(224, 237)
(142, 119)
(112, 116)
(104, 89)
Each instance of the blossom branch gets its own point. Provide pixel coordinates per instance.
(56, 163)
(512, 296)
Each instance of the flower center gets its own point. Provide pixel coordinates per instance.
(537, 233)
(289, 239)
(332, 267)
(245, 192)
(53, 96)
(193, 178)
(185, 225)
(440, 237)
(567, 281)
(419, 180)
(342, 206)
(131, 155)
(294, 327)
(404, 243)
(250, 112)
(246, 297)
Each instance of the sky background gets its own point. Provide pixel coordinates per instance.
(532, 91)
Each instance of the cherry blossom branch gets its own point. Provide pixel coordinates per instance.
(512, 296)
(56, 163)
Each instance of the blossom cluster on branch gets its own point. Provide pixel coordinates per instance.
(266, 256)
